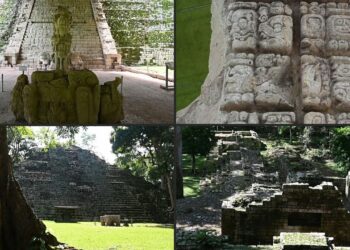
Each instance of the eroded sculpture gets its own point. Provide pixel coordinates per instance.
(54, 97)
(259, 65)
(62, 38)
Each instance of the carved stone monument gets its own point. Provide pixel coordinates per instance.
(264, 66)
(62, 38)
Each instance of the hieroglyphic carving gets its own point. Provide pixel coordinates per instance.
(315, 78)
(236, 117)
(239, 81)
(278, 118)
(242, 23)
(338, 29)
(274, 85)
(313, 28)
(343, 118)
(276, 27)
(341, 82)
(318, 118)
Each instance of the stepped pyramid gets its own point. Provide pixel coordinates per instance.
(77, 178)
(91, 36)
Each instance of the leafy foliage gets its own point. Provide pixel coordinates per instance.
(197, 141)
(146, 151)
(340, 146)
(202, 239)
(20, 140)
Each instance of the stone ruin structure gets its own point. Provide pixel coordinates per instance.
(274, 62)
(91, 39)
(76, 97)
(266, 212)
(75, 185)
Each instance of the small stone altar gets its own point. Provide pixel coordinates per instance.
(54, 97)
(66, 213)
(263, 69)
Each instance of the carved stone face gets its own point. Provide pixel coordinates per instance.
(236, 77)
(342, 25)
(314, 23)
(341, 92)
(243, 23)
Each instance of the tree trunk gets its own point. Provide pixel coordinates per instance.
(171, 192)
(18, 224)
(178, 164)
(193, 164)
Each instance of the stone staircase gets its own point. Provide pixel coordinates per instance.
(85, 36)
(76, 177)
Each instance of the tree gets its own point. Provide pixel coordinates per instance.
(178, 164)
(20, 141)
(152, 147)
(18, 224)
(197, 141)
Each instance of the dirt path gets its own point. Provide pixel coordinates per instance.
(144, 101)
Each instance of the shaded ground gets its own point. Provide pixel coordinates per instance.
(144, 101)
(204, 211)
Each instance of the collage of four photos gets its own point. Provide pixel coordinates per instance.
(174, 124)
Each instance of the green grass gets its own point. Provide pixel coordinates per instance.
(191, 182)
(88, 236)
(193, 32)
(191, 186)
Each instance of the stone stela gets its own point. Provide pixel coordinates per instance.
(263, 69)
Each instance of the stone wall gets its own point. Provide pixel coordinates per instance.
(274, 62)
(298, 208)
(91, 37)
(77, 178)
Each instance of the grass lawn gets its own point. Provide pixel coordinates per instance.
(191, 182)
(191, 186)
(88, 236)
(193, 32)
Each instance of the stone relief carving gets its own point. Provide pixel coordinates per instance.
(259, 65)
(242, 25)
(315, 78)
(278, 118)
(236, 117)
(274, 86)
(341, 83)
(276, 27)
(239, 81)
(313, 28)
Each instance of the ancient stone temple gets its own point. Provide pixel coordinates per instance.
(75, 185)
(298, 207)
(274, 62)
(91, 37)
